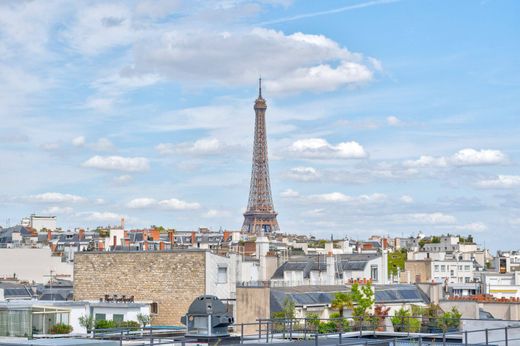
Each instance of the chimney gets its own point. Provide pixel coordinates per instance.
(331, 269)
(171, 238)
(145, 245)
(156, 234)
(161, 246)
(193, 239)
(226, 236)
(385, 243)
(81, 234)
(114, 242)
(49, 235)
(122, 223)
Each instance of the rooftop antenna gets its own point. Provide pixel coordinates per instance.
(260, 87)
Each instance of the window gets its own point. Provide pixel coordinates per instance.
(222, 275)
(467, 268)
(373, 273)
(100, 317)
(443, 268)
(460, 267)
(436, 267)
(154, 308)
(118, 318)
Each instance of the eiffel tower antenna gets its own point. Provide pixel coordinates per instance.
(260, 216)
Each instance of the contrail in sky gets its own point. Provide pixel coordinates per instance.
(335, 10)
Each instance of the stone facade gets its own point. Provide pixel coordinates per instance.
(170, 279)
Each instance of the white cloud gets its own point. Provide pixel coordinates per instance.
(501, 182)
(97, 216)
(335, 197)
(99, 201)
(473, 227)
(319, 212)
(464, 157)
(138, 203)
(100, 104)
(321, 78)
(289, 193)
(303, 173)
(78, 141)
(214, 213)
(100, 27)
(177, 204)
(295, 62)
(58, 210)
(406, 199)
(428, 218)
(118, 163)
(103, 144)
(321, 149)
(393, 121)
(426, 161)
(470, 157)
(123, 179)
(56, 197)
(170, 204)
(50, 146)
(205, 146)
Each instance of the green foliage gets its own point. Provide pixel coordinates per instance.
(313, 320)
(341, 301)
(396, 260)
(144, 319)
(327, 327)
(467, 240)
(108, 324)
(288, 309)
(60, 328)
(363, 298)
(318, 244)
(87, 322)
(105, 324)
(404, 322)
(449, 320)
(132, 325)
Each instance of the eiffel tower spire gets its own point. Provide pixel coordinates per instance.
(260, 216)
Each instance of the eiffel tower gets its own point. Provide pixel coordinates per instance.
(260, 216)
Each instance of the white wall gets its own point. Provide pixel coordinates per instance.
(32, 264)
(39, 223)
(213, 286)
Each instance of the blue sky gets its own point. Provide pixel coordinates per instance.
(384, 117)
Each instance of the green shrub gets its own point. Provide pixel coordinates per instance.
(132, 325)
(313, 321)
(449, 320)
(327, 327)
(403, 322)
(60, 328)
(105, 324)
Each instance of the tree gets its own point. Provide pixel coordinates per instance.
(87, 322)
(341, 301)
(449, 320)
(396, 260)
(288, 310)
(144, 319)
(403, 321)
(363, 298)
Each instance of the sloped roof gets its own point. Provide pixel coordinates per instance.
(323, 295)
(306, 264)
